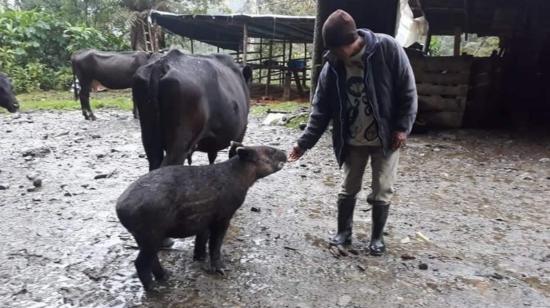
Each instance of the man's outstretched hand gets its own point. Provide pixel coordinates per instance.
(295, 153)
(398, 140)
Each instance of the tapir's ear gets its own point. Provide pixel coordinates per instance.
(247, 154)
(233, 148)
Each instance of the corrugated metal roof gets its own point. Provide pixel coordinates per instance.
(226, 31)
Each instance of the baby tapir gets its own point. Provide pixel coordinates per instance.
(182, 201)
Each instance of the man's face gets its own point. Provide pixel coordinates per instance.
(345, 52)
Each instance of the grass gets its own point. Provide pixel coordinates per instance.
(64, 100)
(291, 107)
(122, 99)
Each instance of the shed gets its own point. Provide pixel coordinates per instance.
(237, 32)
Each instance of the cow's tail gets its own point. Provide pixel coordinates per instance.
(146, 95)
(75, 88)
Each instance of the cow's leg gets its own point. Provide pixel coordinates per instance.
(174, 156)
(212, 157)
(217, 233)
(199, 254)
(85, 101)
(135, 111)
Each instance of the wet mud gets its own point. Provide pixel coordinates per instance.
(469, 226)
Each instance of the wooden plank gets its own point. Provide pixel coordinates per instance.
(430, 89)
(438, 103)
(461, 78)
(442, 64)
(446, 119)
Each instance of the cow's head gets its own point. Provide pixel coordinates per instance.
(7, 97)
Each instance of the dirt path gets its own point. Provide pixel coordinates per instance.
(481, 198)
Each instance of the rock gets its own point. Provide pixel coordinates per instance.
(344, 300)
(37, 183)
(302, 126)
(407, 257)
(37, 152)
(67, 194)
(4, 187)
(141, 155)
(255, 209)
(99, 156)
(101, 176)
(405, 240)
(497, 276)
(422, 237)
(544, 160)
(274, 119)
(33, 189)
(95, 136)
(423, 266)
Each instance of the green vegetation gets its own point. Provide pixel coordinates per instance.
(291, 107)
(122, 99)
(64, 100)
(481, 46)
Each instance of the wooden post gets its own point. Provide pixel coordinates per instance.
(286, 86)
(269, 68)
(290, 52)
(458, 33)
(261, 59)
(304, 72)
(192, 47)
(428, 41)
(245, 42)
(281, 72)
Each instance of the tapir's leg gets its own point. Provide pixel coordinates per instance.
(217, 233)
(189, 159)
(200, 246)
(212, 157)
(144, 267)
(158, 271)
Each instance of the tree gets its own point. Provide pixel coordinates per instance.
(139, 12)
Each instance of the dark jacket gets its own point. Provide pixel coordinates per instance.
(391, 89)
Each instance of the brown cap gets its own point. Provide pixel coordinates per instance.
(339, 29)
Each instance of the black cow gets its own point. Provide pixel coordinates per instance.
(114, 70)
(188, 103)
(7, 97)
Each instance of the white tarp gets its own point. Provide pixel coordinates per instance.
(410, 29)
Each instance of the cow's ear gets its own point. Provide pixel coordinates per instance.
(247, 73)
(246, 154)
(233, 148)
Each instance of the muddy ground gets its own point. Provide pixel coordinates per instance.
(482, 199)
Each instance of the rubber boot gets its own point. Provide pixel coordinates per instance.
(346, 205)
(379, 217)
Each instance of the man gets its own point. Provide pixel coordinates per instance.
(367, 89)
